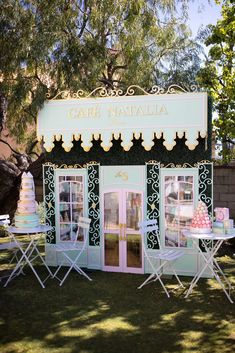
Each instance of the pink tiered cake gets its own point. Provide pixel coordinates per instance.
(201, 222)
(26, 214)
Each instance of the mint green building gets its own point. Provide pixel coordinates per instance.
(118, 158)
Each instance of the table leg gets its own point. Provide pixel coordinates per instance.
(41, 258)
(223, 275)
(25, 256)
(211, 263)
(202, 270)
(18, 265)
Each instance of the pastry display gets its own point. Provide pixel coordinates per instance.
(26, 214)
(201, 222)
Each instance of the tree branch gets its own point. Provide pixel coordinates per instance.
(86, 15)
(29, 113)
(107, 82)
(118, 67)
(35, 153)
(6, 143)
(31, 147)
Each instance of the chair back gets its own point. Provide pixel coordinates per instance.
(4, 220)
(83, 223)
(147, 227)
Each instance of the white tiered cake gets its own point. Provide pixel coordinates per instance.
(26, 214)
(201, 222)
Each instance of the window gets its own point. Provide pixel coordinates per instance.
(178, 208)
(71, 206)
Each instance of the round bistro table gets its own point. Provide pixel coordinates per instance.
(210, 260)
(29, 252)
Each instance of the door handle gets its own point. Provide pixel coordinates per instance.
(120, 231)
(124, 232)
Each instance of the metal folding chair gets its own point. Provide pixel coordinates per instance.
(9, 246)
(158, 259)
(68, 249)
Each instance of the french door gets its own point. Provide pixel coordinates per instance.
(122, 211)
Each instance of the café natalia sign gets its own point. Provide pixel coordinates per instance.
(112, 111)
(123, 117)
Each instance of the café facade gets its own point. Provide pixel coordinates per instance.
(122, 157)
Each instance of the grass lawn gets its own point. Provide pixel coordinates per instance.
(109, 315)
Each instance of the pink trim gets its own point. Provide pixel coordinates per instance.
(122, 243)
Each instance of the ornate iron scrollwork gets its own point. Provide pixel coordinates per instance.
(206, 185)
(49, 200)
(205, 171)
(153, 196)
(130, 91)
(94, 204)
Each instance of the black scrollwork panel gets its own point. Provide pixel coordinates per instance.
(153, 195)
(205, 177)
(49, 200)
(94, 204)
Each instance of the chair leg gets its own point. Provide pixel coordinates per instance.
(146, 281)
(82, 272)
(73, 265)
(177, 277)
(54, 275)
(66, 275)
(57, 270)
(163, 286)
(156, 277)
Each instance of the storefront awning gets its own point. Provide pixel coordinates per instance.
(125, 117)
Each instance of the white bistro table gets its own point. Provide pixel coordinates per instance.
(210, 259)
(30, 251)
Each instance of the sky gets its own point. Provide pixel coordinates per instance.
(202, 13)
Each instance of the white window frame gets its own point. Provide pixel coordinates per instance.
(73, 173)
(175, 172)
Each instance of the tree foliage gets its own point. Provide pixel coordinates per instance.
(218, 75)
(180, 66)
(47, 46)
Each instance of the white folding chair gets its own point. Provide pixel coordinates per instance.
(4, 220)
(9, 246)
(68, 249)
(159, 258)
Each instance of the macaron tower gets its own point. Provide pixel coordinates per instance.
(201, 222)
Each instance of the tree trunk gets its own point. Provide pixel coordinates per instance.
(9, 185)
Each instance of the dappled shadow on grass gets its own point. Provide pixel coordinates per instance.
(110, 315)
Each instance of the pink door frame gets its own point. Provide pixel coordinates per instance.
(122, 195)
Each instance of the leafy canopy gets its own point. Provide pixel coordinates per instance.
(47, 46)
(218, 75)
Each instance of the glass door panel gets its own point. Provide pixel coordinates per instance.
(111, 257)
(111, 210)
(65, 230)
(133, 215)
(76, 212)
(134, 251)
(111, 229)
(71, 200)
(179, 206)
(64, 192)
(133, 210)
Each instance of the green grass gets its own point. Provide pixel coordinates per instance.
(110, 315)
